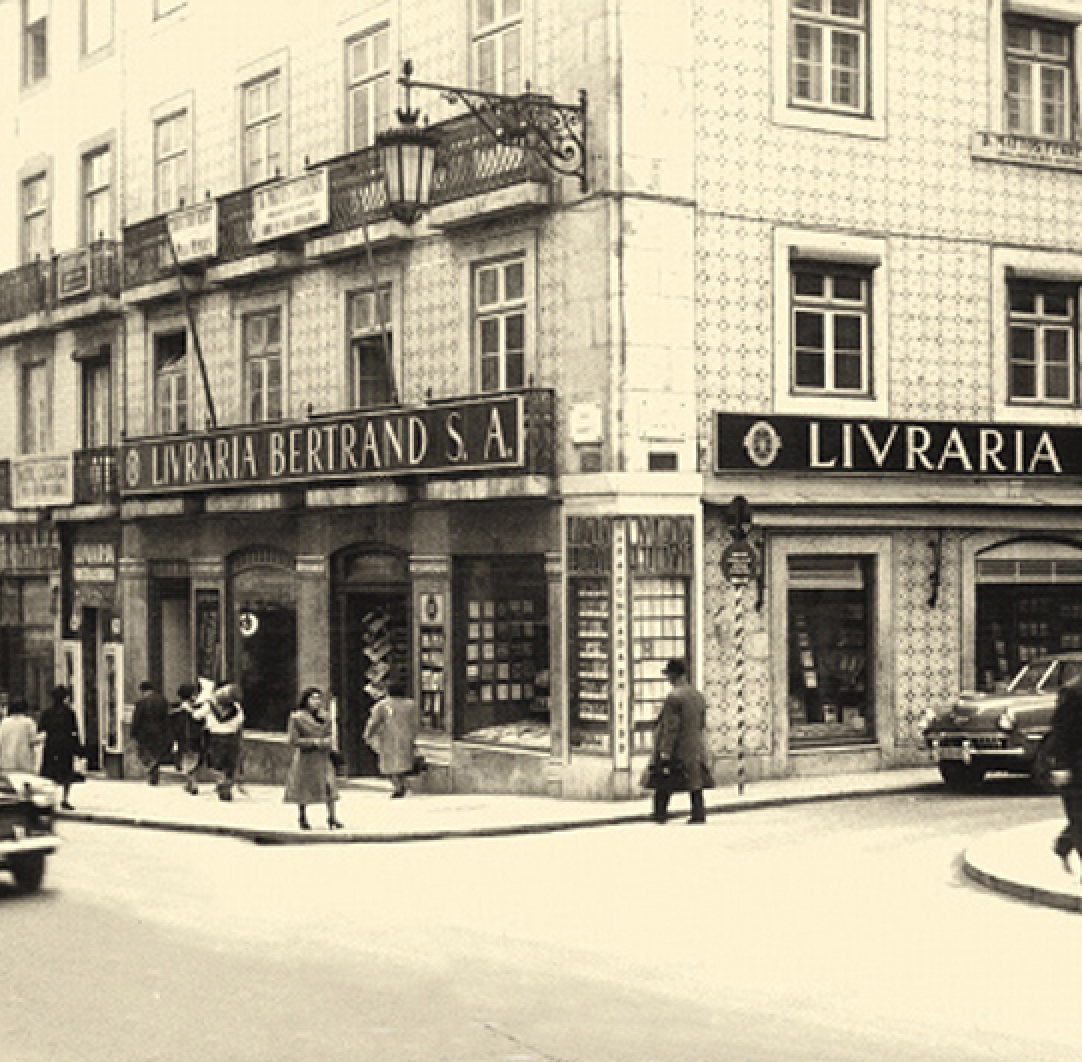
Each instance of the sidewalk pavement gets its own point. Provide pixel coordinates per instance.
(1019, 862)
(257, 812)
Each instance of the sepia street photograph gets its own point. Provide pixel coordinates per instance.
(540, 530)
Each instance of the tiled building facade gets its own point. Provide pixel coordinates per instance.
(816, 236)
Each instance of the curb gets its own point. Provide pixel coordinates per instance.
(291, 836)
(1018, 890)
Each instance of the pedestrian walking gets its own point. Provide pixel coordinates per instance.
(391, 731)
(19, 739)
(200, 705)
(679, 758)
(150, 730)
(1067, 746)
(224, 724)
(60, 730)
(311, 778)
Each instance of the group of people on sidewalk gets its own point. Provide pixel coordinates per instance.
(204, 728)
(54, 737)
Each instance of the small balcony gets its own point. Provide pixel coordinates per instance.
(95, 476)
(25, 291)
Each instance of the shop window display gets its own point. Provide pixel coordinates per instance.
(503, 657)
(830, 698)
(659, 614)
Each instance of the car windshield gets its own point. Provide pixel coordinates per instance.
(1035, 676)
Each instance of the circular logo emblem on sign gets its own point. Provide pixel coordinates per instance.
(762, 443)
(248, 623)
(133, 468)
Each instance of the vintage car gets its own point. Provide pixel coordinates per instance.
(27, 812)
(1003, 731)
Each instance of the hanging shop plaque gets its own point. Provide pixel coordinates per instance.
(39, 482)
(832, 445)
(290, 206)
(470, 436)
(194, 231)
(30, 551)
(739, 563)
(74, 272)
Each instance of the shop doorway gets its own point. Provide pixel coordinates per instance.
(374, 646)
(171, 638)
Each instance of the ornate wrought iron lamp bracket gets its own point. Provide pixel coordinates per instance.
(554, 132)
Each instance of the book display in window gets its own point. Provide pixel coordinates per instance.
(659, 632)
(432, 677)
(591, 663)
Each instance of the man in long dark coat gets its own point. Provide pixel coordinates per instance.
(1067, 741)
(679, 761)
(150, 729)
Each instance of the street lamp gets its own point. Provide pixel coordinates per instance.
(553, 132)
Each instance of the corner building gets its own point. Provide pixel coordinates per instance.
(823, 258)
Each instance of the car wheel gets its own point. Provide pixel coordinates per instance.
(961, 775)
(29, 872)
(1043, 764)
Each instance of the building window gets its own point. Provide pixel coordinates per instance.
(172, 163)
(1039, 91)
(831, 345)
(36, 434)
(171, 382)
(1041, 347)
(368, 63)
(97, 25)
(35, 41)
(35, 221)
(828, 54)
(98, 195)
(497, 45)
(97, 404)
(371, 365)
(263, 365)
(263, 128)
(500, 323)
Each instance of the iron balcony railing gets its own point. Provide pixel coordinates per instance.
(95, 474)
(24, 290)
(470, 162)
(147, 257)
(64, 278)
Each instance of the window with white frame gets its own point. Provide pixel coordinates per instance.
(97, 25)
(35, 429)
(171, 382)
(828, 55)
(97, 220)
(35, 39)
(97, 402)
(1039, 90)
(500, 307)
(498, 45)
(262, 338)
(368, 71)
(35, 217)
(1041, 346)
(831, 328)
(371, 349)
(172, 162)
(263, 130)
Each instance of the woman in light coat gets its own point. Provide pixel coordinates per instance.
(391, 730)
(311, 777)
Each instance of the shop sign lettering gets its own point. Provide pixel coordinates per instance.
(483, 435)
(93, 562)
(924, 448)
(194, 231)
(74, 271)
(289, 206)
(589, 545)
(39, 482)
(661, 545)
(31, 551)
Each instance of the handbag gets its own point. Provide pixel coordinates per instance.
(665, 774)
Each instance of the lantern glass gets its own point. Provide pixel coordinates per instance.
(408, 156)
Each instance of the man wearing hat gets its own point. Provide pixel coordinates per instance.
(679, 761)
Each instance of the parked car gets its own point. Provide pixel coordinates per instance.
(27, 813)
(1008, 730)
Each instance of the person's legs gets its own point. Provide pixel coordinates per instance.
(332, 819)
(661, 805)
(698, 810)
(302, 817)
(398, 785)
(65, 801)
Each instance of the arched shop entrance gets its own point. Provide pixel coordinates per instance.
(1029, 603)
(371, 641)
